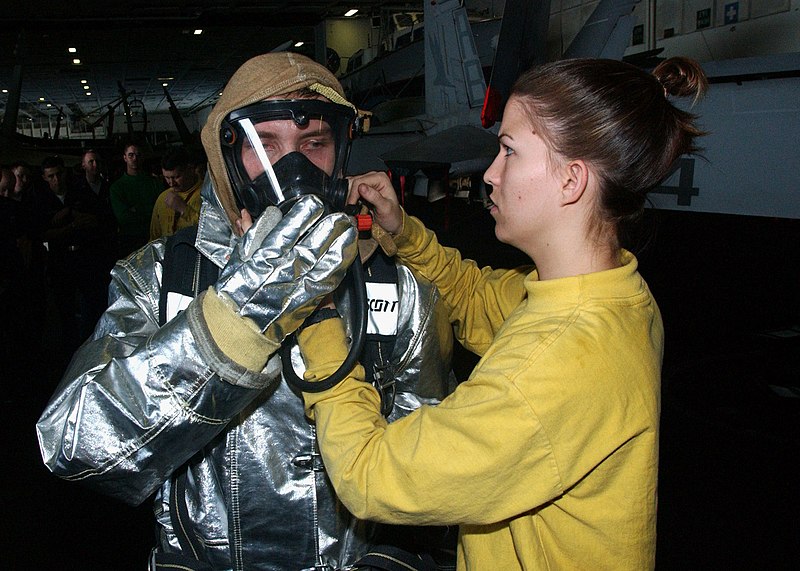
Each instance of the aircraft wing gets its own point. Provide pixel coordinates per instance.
(462, 149)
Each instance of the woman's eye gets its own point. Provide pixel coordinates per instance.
(508, 151)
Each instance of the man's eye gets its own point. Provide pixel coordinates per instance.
(318, 143)
(268, 146)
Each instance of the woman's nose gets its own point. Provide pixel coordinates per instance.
(490, 176)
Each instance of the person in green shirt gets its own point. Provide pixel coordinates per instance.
(133, 197)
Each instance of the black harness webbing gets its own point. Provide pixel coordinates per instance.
(187, 272)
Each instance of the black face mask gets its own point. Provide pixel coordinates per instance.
(297, 176)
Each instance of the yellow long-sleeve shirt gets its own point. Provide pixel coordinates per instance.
(165, 221)
(547, 456)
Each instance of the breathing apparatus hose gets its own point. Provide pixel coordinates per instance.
(354, 280)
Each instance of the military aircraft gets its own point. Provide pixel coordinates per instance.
(16, 146)
(449, 137)
(752, 116)
(750, 112)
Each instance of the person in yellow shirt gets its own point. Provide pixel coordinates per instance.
(179, 205)
(547, 456)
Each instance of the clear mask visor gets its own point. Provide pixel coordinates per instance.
(275, 150)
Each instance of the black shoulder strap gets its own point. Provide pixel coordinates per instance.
(378, 349)
(380, 268)
(185, 270)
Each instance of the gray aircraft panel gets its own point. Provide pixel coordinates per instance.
(751, 152)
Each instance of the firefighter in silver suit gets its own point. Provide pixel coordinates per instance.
(180, 395)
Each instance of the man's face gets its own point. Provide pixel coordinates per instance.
(23, 178)
(180, 179)
(281, 137)
(90, 164)
(7, 182)
(131, 158)
(56, 177)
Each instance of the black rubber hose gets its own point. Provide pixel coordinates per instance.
(358, 289)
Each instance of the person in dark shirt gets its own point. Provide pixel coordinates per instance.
(93, 179)
(11, 266)
(73, 237)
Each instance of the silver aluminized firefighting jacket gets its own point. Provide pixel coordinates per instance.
(138, 401)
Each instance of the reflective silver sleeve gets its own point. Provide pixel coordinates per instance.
(138, 400)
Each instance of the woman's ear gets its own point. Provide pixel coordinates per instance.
(575, 181)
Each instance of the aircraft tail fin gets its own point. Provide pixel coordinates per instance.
(522, 44)
(607, 32)
(454, 79)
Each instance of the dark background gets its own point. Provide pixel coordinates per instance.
(728, 496)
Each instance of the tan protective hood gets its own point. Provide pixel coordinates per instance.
(257, 79)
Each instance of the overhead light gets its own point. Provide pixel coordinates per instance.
(298, 44)
(49, 104)
(198, 32)
(5, 91)
(164, 84)
(352, 12)
(41, 99)
(165, 78)
(76, 61)
(72, 50)
(86, 87)
(84, 81)
(88, 93)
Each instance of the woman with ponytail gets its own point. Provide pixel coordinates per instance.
(547, 456)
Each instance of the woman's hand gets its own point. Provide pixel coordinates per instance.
(243, 223)
(377, 191)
